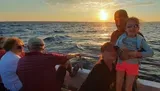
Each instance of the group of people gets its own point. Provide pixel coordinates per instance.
(117, 70)
(35, 70)
(32, 71)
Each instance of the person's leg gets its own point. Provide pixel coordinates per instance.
(134, 88)
(60, 74)
(76, 67)
(132, 73)
(119, 80)
(129, 82)
(69, 68)
(124, 83)
(121, 70)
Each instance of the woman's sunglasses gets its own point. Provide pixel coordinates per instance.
(20, 46)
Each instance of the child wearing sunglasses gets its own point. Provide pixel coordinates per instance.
(130, 46)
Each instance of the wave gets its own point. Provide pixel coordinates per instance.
(58, 31)
(56, 38)
(156, 49)
(151, 77)
(155, 42)
(5, 31)
(20, 30)
(15, 25)
(85, 62)
(91, 31)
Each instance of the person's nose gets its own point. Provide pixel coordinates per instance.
(118, 22)
(132, 29)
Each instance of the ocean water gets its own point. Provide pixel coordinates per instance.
(86, 38)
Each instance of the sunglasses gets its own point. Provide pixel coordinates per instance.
(20, 46)
(133, 26)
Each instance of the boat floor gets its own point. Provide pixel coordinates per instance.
(143, 85)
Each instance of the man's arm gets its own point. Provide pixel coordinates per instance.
(113, 37)
(58, 58)
(61, 58)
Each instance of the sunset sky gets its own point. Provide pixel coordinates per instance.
(77, 10)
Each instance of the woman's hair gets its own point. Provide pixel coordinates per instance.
(10, 42)
(108, 46)
(2, 40)
(135, 19)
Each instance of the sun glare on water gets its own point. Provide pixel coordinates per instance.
(103, 15)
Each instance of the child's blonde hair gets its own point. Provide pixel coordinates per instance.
(135, 19)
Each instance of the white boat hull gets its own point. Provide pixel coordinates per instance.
(143, 85)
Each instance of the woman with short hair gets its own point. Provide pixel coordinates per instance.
(8, 64)
(2, 51)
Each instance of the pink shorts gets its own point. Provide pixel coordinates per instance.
(130, 69)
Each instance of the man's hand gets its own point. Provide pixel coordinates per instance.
(135, 54)
(123, 54)
(73, 55)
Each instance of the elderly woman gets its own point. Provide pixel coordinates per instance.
(2, 51)
(8, 64)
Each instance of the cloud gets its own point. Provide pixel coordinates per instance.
(125, 3)
(85, 5)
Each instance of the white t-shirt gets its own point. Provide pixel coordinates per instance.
(8, 67)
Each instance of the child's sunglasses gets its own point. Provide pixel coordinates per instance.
(133, 26)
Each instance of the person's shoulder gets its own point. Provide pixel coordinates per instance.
(114, 36)
(24, 57)
(36, 54)
(139, 36)
(2, 51)
(98, 67)
(117, 32)
(9, 55)
(114, 32)
(96, 71)
(123, 35)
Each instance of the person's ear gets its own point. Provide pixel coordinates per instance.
(102, 55)
(43, 47)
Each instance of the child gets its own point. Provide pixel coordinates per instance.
(103, 75)
(130, 45)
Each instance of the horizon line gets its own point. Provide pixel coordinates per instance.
(70, 21)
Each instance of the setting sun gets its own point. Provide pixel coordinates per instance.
(103, 15)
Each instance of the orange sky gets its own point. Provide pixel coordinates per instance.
(74, 10)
